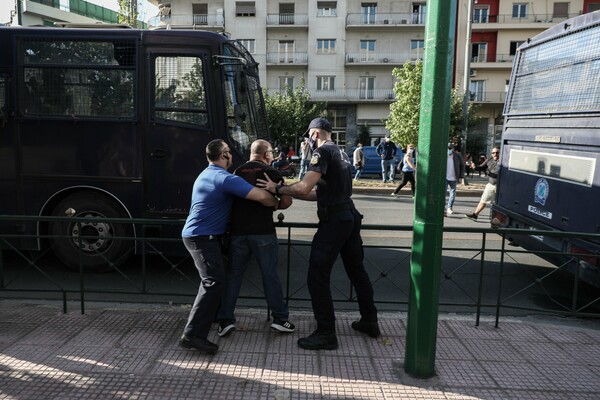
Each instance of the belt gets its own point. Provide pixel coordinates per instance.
(340, 207)
(207, 237)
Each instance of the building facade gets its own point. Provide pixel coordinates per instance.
(342, 51)
(49, 12)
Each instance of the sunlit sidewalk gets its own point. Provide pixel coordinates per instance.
(131, 352)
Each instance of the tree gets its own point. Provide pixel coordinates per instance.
(403, 121)
(290, 112)
(128, 13)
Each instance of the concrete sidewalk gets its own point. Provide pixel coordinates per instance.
(131, 352)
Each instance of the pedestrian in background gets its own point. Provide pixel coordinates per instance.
(387, 151)
(408, 171)
(305, 153)
(252, 233)
(490, 166)
(329, 182)
(212, 195)
(358, 160)
(455, 172)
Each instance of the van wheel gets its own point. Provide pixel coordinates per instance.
(98, 250)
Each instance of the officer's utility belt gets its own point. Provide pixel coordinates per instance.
(323, 212)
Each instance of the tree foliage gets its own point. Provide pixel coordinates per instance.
(128, 13)
(403, 121)
(290, 112)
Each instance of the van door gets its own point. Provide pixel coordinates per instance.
(178, 128)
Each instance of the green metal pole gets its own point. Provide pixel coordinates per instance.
(425, 265)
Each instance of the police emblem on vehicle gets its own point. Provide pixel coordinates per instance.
(541, 191)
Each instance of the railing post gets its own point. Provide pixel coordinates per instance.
(500, 274)
(81, 280)
(480, 291)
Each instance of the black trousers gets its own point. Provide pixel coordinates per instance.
(339, 234)
(209, 263)
(407, 177)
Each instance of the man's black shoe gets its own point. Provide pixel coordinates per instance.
(202, 344)
(319, 341)
(370, 328)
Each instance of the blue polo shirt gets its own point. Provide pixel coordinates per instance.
(212, 195)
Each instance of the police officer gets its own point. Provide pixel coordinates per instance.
(329, 182)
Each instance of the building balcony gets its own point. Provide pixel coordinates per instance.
(188, 21)
(483, 60)
(381, 58)
(287, 59)
(287, 21)
(377, 20)
(353, 95)
(508, 21)
(488, 97)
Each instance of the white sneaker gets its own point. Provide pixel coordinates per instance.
(449, 211)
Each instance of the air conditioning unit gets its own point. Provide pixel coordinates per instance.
(472, 72)
(386, 21)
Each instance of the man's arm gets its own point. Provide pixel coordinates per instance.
(284, 202)
(262, 196)
(303, 190)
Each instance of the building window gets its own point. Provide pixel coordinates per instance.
(417, 46)
(419, 13)
(366, 87)
(519, 10)
(249, 44)
(286, 83)
(369, 12)
(367, 50)
(477, 90)
(514, 45)
(326, 9)
(593, 7)
(245, 9)
(200, 13)
(286, 51)
(481, 14)
(479, 52)
(325, 46)
(561, 10)
(286, 14)
(325, 83)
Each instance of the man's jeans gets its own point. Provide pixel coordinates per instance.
(265, 248)
(387, 170)
(303, 168)
(452, 194)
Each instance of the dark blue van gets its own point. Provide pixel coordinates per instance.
(373, 160)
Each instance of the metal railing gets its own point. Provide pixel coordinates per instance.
(474, 275)
(383, 57)
(524, 18)
(385, 19)
(197, 21)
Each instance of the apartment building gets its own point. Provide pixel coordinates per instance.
(343, 51)
(49, 12)
(498, 28)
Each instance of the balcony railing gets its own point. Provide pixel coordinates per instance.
(494, 58)
(287, 58)
(394, 19)
(197, 21)
(287, 20)
(383, 57)
(526, 19)
(488, 97)
(352, 94)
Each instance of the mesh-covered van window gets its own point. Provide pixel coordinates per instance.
(77, 79)
(558, 76)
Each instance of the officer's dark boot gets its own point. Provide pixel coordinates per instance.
(319, 341)
(370, 328)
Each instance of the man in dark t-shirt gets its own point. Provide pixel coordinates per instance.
(329, 182)
(253, 233)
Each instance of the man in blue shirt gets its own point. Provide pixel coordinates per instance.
(212, 196)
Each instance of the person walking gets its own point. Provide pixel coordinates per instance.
(490, 166)
(455, 172)
(305, 153)
(329, 183)
(253, 233)
(408, 171)
(358, 160)
(212, 195)
(387, 151)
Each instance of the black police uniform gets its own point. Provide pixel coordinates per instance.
(338, 233)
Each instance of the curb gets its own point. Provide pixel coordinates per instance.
(405, 191)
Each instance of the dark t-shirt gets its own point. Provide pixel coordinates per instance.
(250, 217)
(335, 185)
